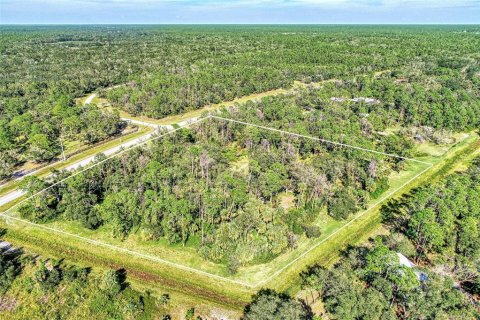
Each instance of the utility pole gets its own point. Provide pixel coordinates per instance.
(63, 151)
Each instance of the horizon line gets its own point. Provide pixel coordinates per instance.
(246, 24)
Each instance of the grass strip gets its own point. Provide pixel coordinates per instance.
(329, 251)
(14, 184)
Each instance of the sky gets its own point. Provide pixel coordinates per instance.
(239, 11)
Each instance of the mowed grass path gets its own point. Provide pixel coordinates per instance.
(212, 107)
(202, 288)
(191, 286)
(455, 159)
(251, 276)
(198, 112)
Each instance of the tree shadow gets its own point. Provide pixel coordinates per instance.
(122, 278)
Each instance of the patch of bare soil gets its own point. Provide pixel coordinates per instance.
(7, 303)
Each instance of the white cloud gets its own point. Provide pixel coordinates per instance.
(243, 11)
(256, 3)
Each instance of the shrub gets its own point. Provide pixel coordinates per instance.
(312, 231)
(111, 283)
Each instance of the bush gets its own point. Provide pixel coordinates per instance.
(163, 300)
(48, 279)
(312, 231)
(268, 304)
(381, 186)
(233, 264)
(190, 314)
(111, 283)
(341, 205)
(9, 269)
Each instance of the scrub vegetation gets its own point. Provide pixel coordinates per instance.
(436, 227)
(242, 201)
(222, 183)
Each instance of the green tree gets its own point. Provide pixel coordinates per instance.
(268, 304)
(48, 278)
(42, 147)
(425, 231)
(10, 267)
(120, 210)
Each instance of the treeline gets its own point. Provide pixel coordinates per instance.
(37, 132)
(429, 76)
(32, 287)
(437, 228)
(227, 64)
(244, 194)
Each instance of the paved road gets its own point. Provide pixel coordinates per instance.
(11, 196)
(84, 162)
(147, 124)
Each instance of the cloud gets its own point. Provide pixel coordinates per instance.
(239, 11)
(253, 3)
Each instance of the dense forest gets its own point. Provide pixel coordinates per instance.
(246, 193)
(437, 228)
(429, 74)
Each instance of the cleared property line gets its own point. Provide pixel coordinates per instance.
(90, 98)
(106, 159)
(100, 243)
(180, 266)
(318, 139)
(134, 253)
(260, 283)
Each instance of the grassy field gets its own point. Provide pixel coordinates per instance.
(151, 274)
(45, 171)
